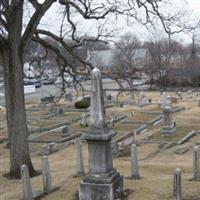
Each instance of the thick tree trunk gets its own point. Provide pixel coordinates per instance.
(16, 113)
(15, 103)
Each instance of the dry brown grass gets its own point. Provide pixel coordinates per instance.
(156, 171)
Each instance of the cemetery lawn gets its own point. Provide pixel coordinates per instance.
(156, 165)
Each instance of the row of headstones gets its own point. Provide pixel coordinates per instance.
(143, 100)
(134, 161)
(47, 184)
(46, 174)
(167, 100)
(135, 168)
(177, 194)
(51, 99)
(27, 193)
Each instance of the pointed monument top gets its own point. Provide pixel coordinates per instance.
(96, 70)
(97, 111)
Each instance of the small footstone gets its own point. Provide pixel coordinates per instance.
(65, 131)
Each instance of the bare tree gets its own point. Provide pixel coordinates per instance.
(162, 56)
(14, 38)
(127, 60)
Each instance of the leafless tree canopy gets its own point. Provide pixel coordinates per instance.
(15, 37)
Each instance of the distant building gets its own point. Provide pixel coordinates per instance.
(105, 60)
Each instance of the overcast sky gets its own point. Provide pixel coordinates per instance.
(52, 21)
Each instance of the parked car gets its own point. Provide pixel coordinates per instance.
(38, 84)
(32, 81)
(138, 82)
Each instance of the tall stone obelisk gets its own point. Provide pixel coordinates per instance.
(103, 182)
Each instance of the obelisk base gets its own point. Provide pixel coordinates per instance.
(101, 189)
(103, 181)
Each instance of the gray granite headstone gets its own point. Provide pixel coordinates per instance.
(46, 175)
(52, 147)
(169, 127)
(65, 131)
(134, 162)
(83, 121)
(68, 97)
(190, 93)
(196, 163)
(177, 185)
(79, 159)
(60, 111)
(179, 94)
(26, 184)
(144, 101)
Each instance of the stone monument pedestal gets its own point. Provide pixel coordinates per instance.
(103, 182)
(168, 130)
(101, 188)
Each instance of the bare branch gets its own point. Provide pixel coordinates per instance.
(34, 21)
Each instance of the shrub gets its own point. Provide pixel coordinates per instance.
(83, 103)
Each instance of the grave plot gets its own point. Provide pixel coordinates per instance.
(55, 136)
(125, 127)
(181, 131)
(47, 118)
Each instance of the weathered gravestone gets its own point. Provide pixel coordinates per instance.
(190, 93)
(46, 175)
(134, 162)
(179, 94)
(169, 127)
(48, 148)
(45, 150)
(60, 111)
(196, 163)
(103, 181)
(68, 97)
(144, 101)
(83, 121)
(79, 159)
(65, 131)
(177, 185)
(27, 193)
